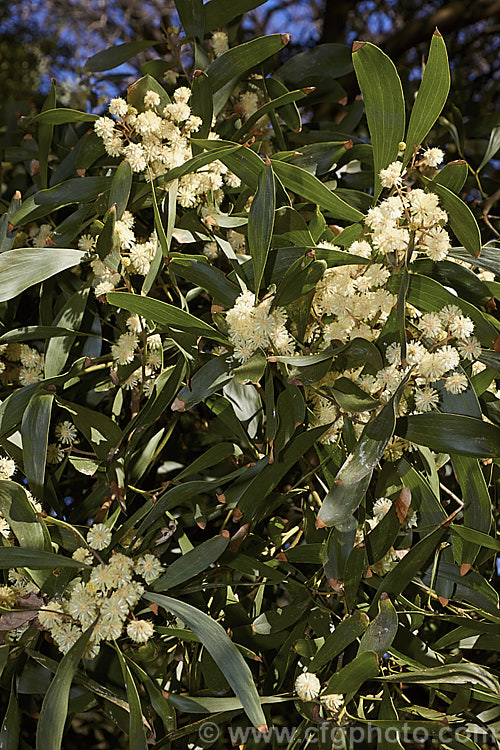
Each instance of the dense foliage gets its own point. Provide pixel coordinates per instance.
(249, 413)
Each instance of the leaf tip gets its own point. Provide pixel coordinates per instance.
(285, 38)
(443, 601)
(437, 32)
(178, 405)
(262, 728)
(320, 524)
(464, 568)
(357, 46)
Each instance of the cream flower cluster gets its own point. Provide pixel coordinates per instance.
(442, 340)
(135, 254)
(24, 364)
(408, 212)
(66, 435)
(106, 597)
(158, 139)
(253, 327)
(127, 348)
(308, 687)
(350, 301)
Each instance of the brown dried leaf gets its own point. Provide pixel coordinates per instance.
(402, 504)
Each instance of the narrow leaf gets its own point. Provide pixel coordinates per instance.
(45, 133)
(120, 188)
(354, 476)
(35, 434)
(192, 563)
(192, 17)
(26, 266)
(36, 559)
(461, 218)
(451, 433)
(381, 631)
(343, 635)
(223, 651)
(164, 314)
(493, 146)
(117, 55)
(261, 224)
(353, 675)
(50, 727)
(244, 57)
(136, 734)
(308, 186)
(384, 104)
(431, 96)
(63, 115)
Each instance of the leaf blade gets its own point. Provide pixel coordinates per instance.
(384, 104)
(431, 96)
(222, 650)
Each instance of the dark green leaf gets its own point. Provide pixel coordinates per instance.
(354, 477)
(399, 577)
(453, 176)
(477, 538)
(261, 224)
(192, 15)
(117, 55)
(201, 160)
(11, 724)
(221, 12)
(136, 733)
(451, 674)
(476, 499)
(492, 148)
(384, 104)
(26, 266)
(164, 314)
(281, 102)
(200, 272)
(308, 186)
(36, 559)
(202, 102)
(289, 113)
(69, 318)
(63, 115)
(344, 634)
(101, 431)
(45, 133)
(77, 190)
(50, 727)
(353, 675)
(318, 67)
(207, 380)
(120, 188)
(192, 563)
(252, 500)
(35, 434)
(461, 218)
(431, 96)
(223, 651)
(381, 631)
(450, 433)
(244, 57)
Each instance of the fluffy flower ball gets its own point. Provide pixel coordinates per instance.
(307, 686)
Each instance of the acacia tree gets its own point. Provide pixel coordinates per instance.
(249, 417)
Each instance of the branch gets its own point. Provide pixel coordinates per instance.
(458, 14)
